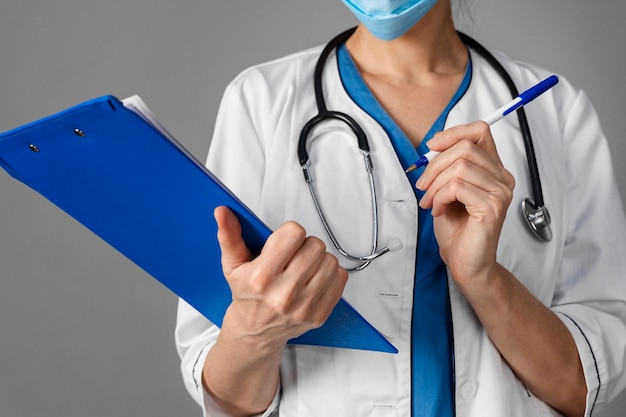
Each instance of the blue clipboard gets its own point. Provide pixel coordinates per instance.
(130, 183)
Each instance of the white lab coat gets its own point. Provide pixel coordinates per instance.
(579, 274)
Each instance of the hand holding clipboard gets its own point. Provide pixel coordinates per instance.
(110, 165)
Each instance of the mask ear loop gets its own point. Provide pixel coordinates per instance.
(535, 212)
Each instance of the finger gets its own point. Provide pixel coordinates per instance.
(309, 287)
(307, 260)
(464, 139)
(281, 247)
(486, 176)
(478, 132)
(323, 290)
(483, 205)
(234, 250)
(461, 155)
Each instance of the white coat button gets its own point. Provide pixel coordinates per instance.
(468, 390)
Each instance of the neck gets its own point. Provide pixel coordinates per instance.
(432, 46)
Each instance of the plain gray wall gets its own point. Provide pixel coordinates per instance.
(84, 332)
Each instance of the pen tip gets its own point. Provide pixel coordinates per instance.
(411, 168)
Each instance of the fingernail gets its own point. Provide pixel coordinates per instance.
(421, 202)
(420, 182)
(434, 137)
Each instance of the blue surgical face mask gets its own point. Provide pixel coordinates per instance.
(389, 19)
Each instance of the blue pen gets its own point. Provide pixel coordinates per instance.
(524, 98)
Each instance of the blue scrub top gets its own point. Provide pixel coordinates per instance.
(432, 361)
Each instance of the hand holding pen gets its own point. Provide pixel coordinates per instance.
(469, 191)
(521, 100)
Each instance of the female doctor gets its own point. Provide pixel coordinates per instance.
(488, 319)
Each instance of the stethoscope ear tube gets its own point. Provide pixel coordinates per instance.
(319, 67)
(324, 116)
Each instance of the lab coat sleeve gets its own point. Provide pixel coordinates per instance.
(195, 336)
(234, 150)
(590, 295)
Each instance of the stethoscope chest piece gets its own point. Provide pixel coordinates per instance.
(538, 220)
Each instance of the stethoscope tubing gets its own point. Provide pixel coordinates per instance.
(534, 211)
(366, 259)
(531, 157)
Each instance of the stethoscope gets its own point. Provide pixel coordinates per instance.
(534, 212)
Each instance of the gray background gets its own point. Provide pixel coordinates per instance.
(84, 332)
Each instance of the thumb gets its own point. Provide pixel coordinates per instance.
(234, 250)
